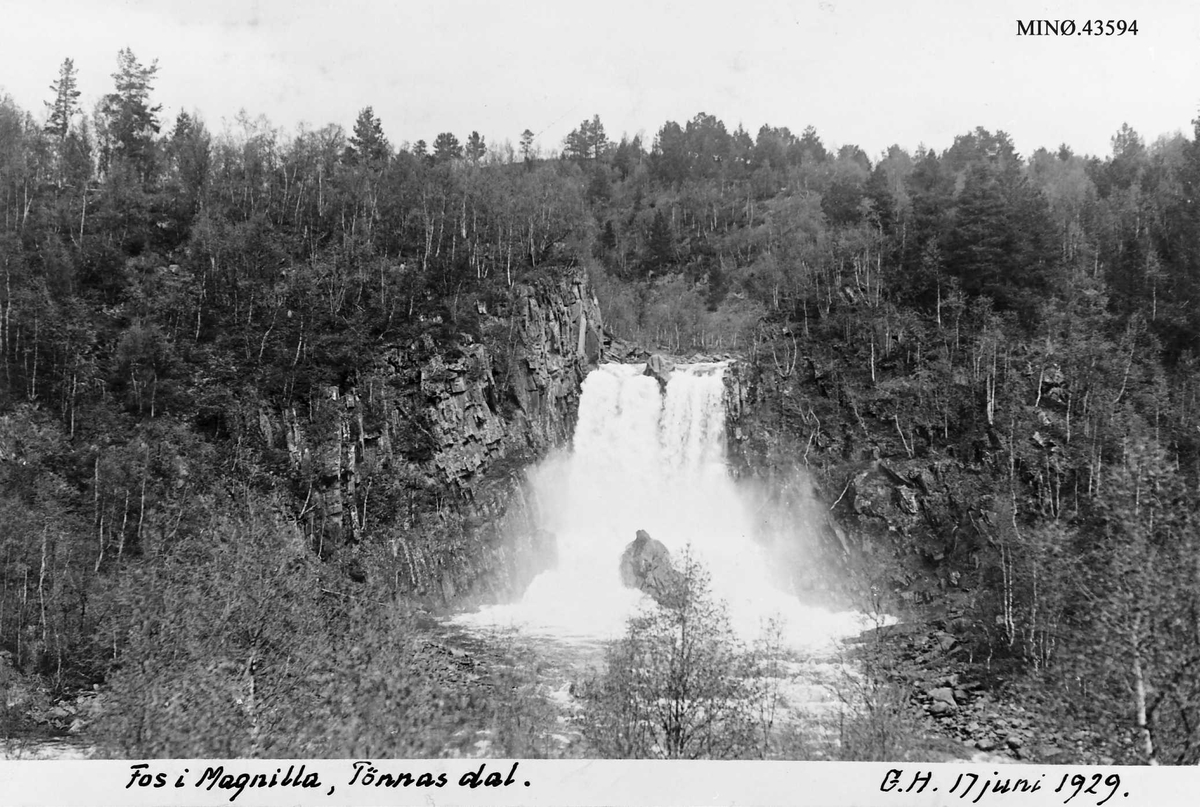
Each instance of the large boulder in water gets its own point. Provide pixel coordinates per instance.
(646, 565)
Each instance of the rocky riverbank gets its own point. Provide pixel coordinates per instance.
(964, 699)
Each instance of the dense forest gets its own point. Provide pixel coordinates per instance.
(1034, 319)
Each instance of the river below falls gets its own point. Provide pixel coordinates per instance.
(812, 687)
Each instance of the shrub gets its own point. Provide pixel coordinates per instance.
(875, 719)
(234, 646)
(679, 684)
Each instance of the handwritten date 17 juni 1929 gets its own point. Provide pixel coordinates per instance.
(1091, 788)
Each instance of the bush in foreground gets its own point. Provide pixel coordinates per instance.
(233, 645)
(679, 684)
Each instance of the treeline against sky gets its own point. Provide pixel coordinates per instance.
(154, 271)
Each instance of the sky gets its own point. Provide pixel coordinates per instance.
(867, 72)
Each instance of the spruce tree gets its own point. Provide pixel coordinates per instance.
(368, 144)
(527, 145)
(446, 148)
(476, 147)
(129, 120)
(65, 103)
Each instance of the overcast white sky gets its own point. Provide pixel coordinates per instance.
(867, 72)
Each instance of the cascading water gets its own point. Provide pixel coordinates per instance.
(647, 460)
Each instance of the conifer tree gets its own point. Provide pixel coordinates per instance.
(527, 145)
(446, 148)
(65, 103)
(368, 144)
(810, 149)
(588, 141)
(129, 120)
(476, 147)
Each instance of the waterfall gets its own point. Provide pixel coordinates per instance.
(645, 459)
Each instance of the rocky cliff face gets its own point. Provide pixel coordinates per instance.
(877, 517)
(772, 464)
(414, 469)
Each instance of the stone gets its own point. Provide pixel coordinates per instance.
(941, 709)
(945, 642)
(646, 565)
(871, 495)
(1014, 741)
(660, 368)
(943, 695)
(1051, 754)
(985, 744)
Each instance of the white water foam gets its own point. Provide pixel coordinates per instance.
(642, 459)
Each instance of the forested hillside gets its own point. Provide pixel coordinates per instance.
(1015, 337)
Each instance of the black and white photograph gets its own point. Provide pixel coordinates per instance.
(503, 384)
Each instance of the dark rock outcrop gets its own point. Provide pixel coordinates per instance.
(898, 514)
(659, 367)
(646, 565)
(418, 462)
